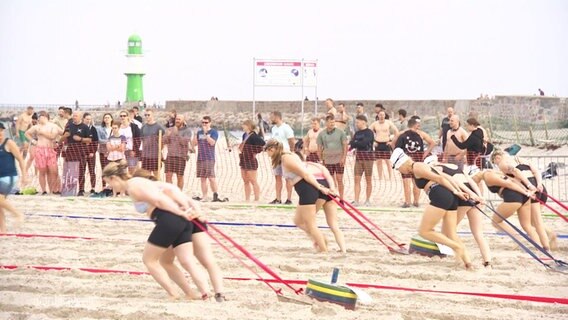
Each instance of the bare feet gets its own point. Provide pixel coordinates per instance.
(553, 243)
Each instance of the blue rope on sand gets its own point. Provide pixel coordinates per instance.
(226, 223)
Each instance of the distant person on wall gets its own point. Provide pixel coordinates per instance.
(452, 153)
(332, 145)
(89, 160)
(443, 133)
(310, 141)
(540, 92)
(178, 141)
(251, 146)
(285, 135)
(362, 142)
(150, 142)
(205, 140)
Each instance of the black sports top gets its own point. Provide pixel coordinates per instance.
(496, 189)
(524, 167)
(421, 182)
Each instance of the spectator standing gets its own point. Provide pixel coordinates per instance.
(251, 146)
(90, 156)
(378, 108)
(178, 141)
(132, 134)
(445, 127)
(137, 116)
(474, 144)
(402, 122)
(150, 143)
(284, 134)
(171, 122)
(383, 130)
(362, 142)
(342, 119)
(134, 119)
(359, 111)
(332, 145)
(206, 139)
(310, 141)
(330, 105)
(104, 132)
(453, 154)
(76, 137)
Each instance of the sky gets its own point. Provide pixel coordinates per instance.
(56, 51)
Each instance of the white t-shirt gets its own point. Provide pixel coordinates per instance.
(282, 133)
(127, 133)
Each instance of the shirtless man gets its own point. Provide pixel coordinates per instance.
(45, 155)
(22, 125)
(453, 154)
(383, 130)
(310, 142)
(342, 119)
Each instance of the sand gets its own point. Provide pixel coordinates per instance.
(27, 293)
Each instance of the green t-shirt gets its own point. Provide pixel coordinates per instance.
(332, 144)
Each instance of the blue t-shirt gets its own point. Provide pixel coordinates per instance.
(205, 151)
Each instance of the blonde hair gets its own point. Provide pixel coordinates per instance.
(250, 124)
(496, 152)
(117, 169)
(276, 157)
(120, 169)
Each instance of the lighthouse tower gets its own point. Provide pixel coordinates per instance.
(134, 70)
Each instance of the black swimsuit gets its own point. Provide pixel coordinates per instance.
(439, 196)
(453, 172)
(540, 195)
(508, 195)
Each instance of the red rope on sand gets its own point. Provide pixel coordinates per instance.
(266, 281)
(558, 300)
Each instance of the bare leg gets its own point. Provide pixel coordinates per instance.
(167, 262)
(180, 181)
(330, 209)
(307, 214)
(476, 226)
(246, 184)
(169, 176)
(538, 223)
(505, 210)
(204, 187)
(289, 187)
(213, 184)
(357, 190)
(407, 185)
(416, 193)
(151, 257)
(389, 168)
(339, 183)
(184, 253)
(524, 214)
(430, 219)
(369, 186)
(380, 169)
(254, 182)
(52, 180)
(278, 187)
(203, 252)
(43, 180)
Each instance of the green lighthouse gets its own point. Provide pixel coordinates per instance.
(134, 71)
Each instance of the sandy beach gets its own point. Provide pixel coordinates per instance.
(108, 234)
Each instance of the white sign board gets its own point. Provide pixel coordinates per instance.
(285, 73)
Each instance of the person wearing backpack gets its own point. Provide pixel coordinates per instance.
(411, 141)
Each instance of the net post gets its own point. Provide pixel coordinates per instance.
(159, 173)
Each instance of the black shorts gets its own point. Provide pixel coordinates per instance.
(416, 157)
(542, 196)
(175, 165)
(442, 198)
(512, 196)
(150, 164)
(197, 229)
(383, 151)
(335, 168)
(308, 193)
(170, 229)
(463, 203)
